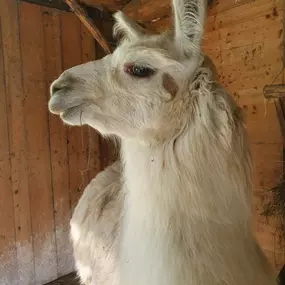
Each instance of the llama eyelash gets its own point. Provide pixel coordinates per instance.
(139, 71)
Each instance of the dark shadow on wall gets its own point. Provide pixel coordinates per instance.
(281, 276)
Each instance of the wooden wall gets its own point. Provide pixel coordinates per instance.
(44, 166)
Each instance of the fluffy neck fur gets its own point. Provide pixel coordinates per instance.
(187, 209)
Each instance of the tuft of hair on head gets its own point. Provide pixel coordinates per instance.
(126, 28)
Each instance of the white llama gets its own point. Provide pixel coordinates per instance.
(186, 215)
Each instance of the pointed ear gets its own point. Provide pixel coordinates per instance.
(126, 27)
(189, 17)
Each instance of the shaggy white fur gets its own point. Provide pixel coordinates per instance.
(95, 227)
(186, 216)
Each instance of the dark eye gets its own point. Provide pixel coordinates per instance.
(139, 71)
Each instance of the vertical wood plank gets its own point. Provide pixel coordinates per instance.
(92, 137)
(86, 55)
(77, 151)
(109, 150)
(18, 147)
(37, 135)
(58, 146)
(104, 145)
(8, 254)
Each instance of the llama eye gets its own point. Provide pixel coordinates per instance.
(139, 71)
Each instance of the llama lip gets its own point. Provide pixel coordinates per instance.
(59, 104)
(53, 109)
(72, 112)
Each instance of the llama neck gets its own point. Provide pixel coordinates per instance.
(179, 198)
(190, 177)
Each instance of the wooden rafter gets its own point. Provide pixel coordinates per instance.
(57, 4)
(87, 22)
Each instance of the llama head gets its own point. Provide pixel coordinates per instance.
(143, 87)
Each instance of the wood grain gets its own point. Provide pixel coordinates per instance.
(104, 148)
(108, 5)
(36, 196)
(88, 23)
(37, 137)
(58, 146)
(77, 142)
(91, 136)
(18, 146)
(147, 10)
(8, 254)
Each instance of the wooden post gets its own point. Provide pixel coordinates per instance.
(274, 91)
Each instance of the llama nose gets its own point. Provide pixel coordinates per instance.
(64, 82)
(56, 86)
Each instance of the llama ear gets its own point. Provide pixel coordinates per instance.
(189, 16)
(127, 27)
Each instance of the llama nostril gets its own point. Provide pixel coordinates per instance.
(55, 88)
(65, 82)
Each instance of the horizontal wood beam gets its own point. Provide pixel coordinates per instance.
(107, 5)
(147, 10)
(57, 4)
(274, 91)
(92, 11)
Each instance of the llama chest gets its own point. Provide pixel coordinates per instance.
(175, 231)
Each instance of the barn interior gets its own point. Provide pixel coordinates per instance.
(45, 165)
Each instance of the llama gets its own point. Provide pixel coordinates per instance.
(186, 214)
(95, 225)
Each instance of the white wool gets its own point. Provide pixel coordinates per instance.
(95, 228)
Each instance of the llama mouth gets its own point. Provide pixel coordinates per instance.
(59, 104)
(72, 113)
